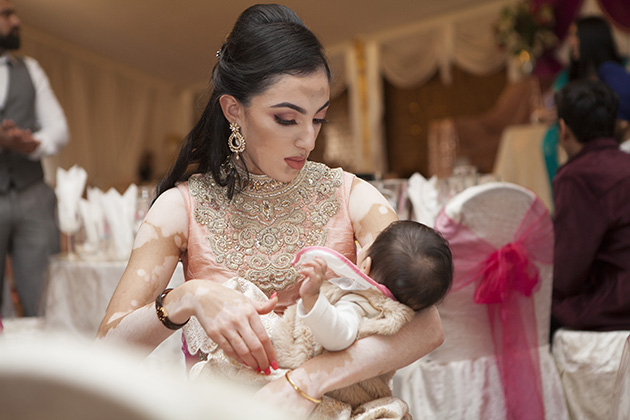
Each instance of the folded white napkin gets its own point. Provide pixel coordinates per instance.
(120, 212)
(423, 195)
(69, 189)
(93, 220)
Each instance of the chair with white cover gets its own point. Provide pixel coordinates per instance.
(495, 362)
(621, 402)
(66, 377)
(589, 363)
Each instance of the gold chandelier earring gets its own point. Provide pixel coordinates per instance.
(236, 141)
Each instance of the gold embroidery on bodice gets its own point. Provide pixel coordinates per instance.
(257, 234)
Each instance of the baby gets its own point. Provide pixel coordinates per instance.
(408, 262)
(407, 268)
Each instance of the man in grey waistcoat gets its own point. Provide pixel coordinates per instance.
(32, 126)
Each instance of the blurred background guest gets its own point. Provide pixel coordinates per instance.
(591, 44)
(33, 126)
(617, 77)
(591, 289)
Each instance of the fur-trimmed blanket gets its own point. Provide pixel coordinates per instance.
(294, 344)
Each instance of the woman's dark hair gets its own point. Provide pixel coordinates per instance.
(589, 108)
(596, 46)
(414, 262)
(267, 41)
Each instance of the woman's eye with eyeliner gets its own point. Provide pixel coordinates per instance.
(320, 121)
(282, 121)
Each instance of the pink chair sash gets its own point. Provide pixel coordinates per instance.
(505, 280)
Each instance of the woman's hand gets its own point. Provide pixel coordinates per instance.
(280, 393)
(232, 321)
(314, 272)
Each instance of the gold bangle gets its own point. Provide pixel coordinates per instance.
(299, 391)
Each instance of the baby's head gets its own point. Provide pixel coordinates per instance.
(413, 261)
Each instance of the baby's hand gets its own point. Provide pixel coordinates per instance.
(314, 273)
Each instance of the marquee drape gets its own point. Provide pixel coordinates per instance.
(618, 12)
(114, 113)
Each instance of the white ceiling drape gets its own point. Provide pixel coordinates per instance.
(114, 113)
(408, 57)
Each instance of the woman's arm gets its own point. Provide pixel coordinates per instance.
(160, 241)
(229, 318)
(370, 356)
(366, 358)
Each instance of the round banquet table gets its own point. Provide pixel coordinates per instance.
(78, 292)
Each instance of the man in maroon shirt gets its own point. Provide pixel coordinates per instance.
(591, 289)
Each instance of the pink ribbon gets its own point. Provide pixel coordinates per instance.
(505, 280)
(506, 270)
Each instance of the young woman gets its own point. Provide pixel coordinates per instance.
(241, 200)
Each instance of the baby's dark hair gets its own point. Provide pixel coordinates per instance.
(414, 262)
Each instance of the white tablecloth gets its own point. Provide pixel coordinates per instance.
(79, 291)
(520, 159)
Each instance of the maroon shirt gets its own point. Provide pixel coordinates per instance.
(591, 288)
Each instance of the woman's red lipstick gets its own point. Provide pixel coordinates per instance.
(295, 163)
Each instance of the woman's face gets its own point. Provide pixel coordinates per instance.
(281, 124)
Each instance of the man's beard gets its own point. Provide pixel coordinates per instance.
(10, 41)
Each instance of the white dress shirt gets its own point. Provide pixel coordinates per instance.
(53, 128)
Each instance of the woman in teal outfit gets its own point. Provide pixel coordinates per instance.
(591, 45)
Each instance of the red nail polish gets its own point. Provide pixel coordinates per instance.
(268, 371)
(258, 370)
(274, 365)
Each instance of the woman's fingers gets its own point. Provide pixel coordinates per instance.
(257, 338)
(232, 321)
(239, 342)
(257, 348)
(265, 307)
(227, 348)
(243, 347)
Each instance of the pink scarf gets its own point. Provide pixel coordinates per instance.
(505, 280)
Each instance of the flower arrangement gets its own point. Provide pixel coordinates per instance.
(526, 28)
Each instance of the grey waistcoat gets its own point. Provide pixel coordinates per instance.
(15, 168)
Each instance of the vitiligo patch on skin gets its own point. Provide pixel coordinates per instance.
(166, 218)
(116, 316)
(127, 327)
(149, 233)
(373, 222)
(146, 234)
(369, 210)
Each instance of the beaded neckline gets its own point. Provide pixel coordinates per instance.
(265, 186)
(257, 232)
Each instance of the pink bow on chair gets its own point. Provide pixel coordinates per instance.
(505, 280)
(507, 269)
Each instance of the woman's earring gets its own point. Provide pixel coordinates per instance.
(236, 141)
